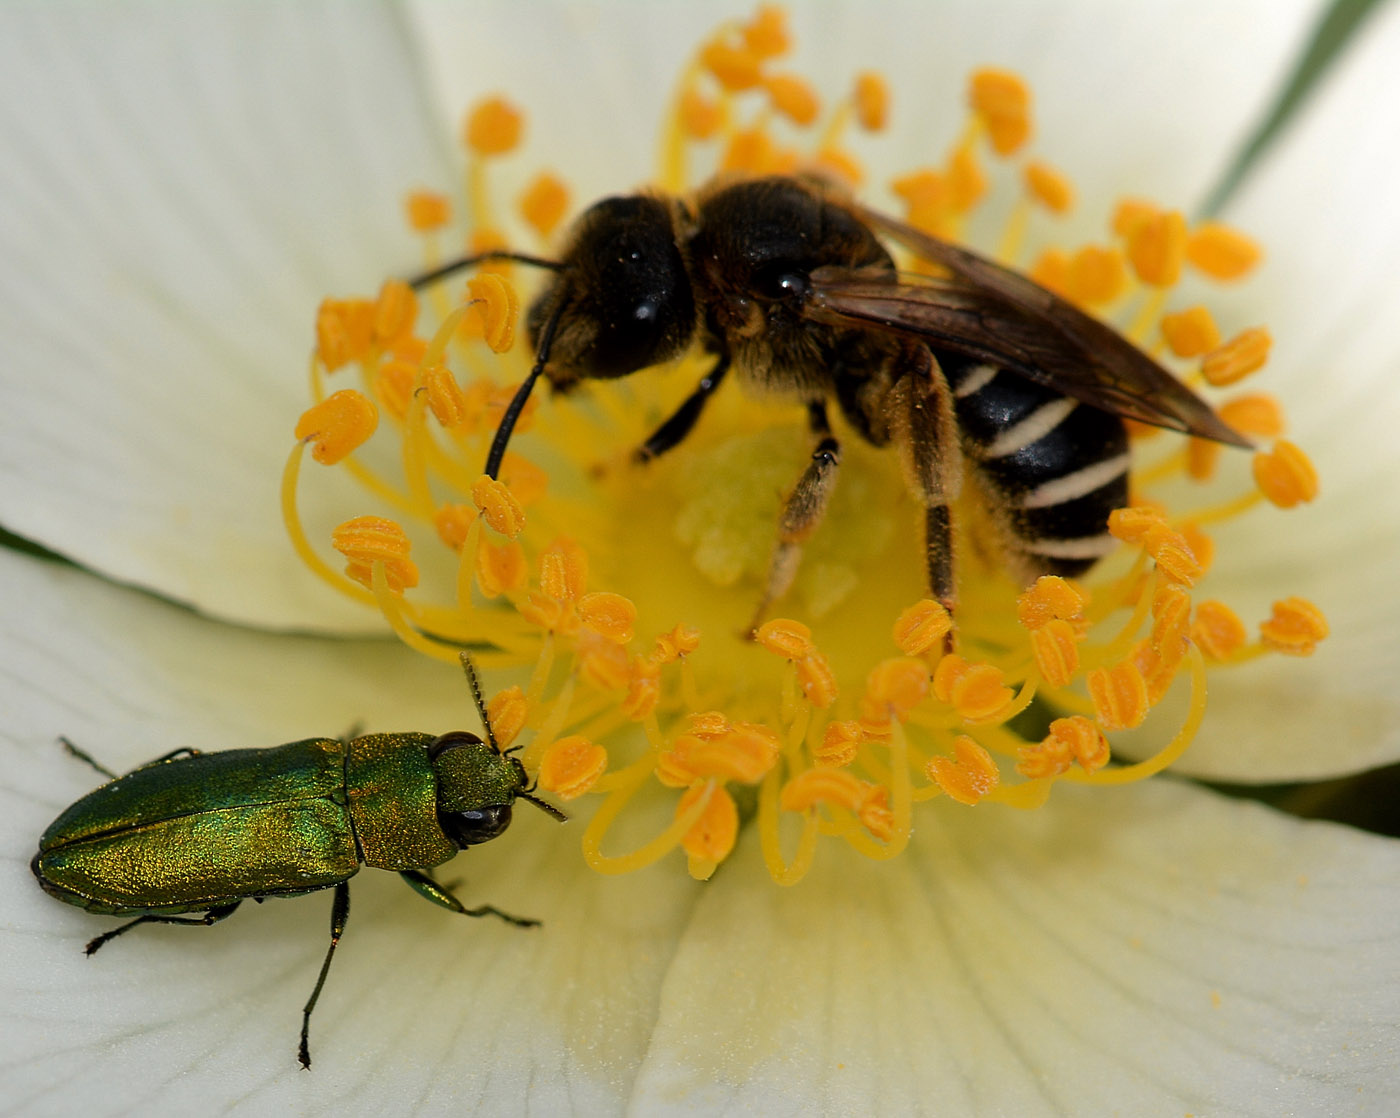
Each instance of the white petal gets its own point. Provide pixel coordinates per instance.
(1158, 951)
(1130, 98)
(182, 185)
(422, 1009)
(1324, 206)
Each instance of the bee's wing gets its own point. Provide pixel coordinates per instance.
(994, 314)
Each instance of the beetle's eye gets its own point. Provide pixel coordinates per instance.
(469, 828)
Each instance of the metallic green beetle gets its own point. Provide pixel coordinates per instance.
(197, 831)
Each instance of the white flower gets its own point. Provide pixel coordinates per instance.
(180, 189)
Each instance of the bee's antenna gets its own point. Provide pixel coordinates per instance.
(444, 270)
(470, 669)
(517, 403)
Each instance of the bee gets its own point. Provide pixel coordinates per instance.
(977, 372)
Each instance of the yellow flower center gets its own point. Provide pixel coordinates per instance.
(625, 594)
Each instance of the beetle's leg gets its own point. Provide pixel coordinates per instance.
(213, 916)
(340, 912)
(802, 511)
(83, 755)
(425, 886)
(683, 419)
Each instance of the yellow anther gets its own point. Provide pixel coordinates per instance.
(817, 680)
(921, 188)
(1048, 598)
(526, 480)
(824, 785)
(571, 766)
(1171, 619)
(494, 299)
(452, 523)
(1191, 332)
(1003, 101)
(895, 687)
(1051, 270)
(499, 399)
(609, 615)
(1218, 630)
(1243, 354)
(410, 348)
(874, 812)
(673, 765)
(1055, 646)
(841, 164)
(643, 690)
(1220, 252)
(485, 239)
(338, 425)
(871, 101)
(445, 399)
(493, 127)
(1285, 475)
(395, 312)
(921, 626)
(1049, 187)
(602, 662)
(1202, 456)
(766, 35)
(508, 712)
(967, 182)
(427, 210)
(1158, 669)
(1157, 248)
(564, 571)
(1096, 275)
(791, 640)
(544, 203)
(498, 506)
(367, 540)
(680, 641)
(1131, 525)
(967, 778)
(1256, 414)
(735, 68)
(712, 837)
(1131, 213)
(1074, 739)
(549, 614)
(1295, 628)
(710, 724)
(700, 117)
(976, 691)
(393, 384)
(1172, 554)
(500, 568)
(1119, 695)
(792, 97)
(1201, 545)
(840, 743)
(745, 755)
(344, 331)
(749, 151)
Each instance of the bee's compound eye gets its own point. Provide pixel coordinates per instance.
(470, 828)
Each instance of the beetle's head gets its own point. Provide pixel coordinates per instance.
(476, 787)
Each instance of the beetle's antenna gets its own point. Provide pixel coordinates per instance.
(470, 669)
(548, 809)
(517, 403)
(444, 270)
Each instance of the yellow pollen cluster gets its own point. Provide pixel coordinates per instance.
(618, 596)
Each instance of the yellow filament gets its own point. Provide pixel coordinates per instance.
(291, 519)
(632, 778)
(782, 872)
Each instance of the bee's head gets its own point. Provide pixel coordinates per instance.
(623, 294)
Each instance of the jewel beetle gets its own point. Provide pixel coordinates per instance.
(203, 832)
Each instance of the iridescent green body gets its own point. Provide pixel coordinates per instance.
(203, 832)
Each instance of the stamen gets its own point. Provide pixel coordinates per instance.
(710, 838)
(1236, 359)
(1218, 630)
(1190, 333)
(498, 506)
(1119, 695)
(840, 744)
(680, 641)
(337, 426)
(1049, 187)
(871, 101)
(817, 680)
(1073, 739)
(1295, 628)
(735, 68)
(1002, 101)
(766, 35)
(976, 691)
(1285, 475)
(1050, 597)
(493, 127)
(508, 712)
(968, 778)
(701, 118)
(498, 305)
(445, 399)
(1056, 650)
(793, 98)
(791, 640)
(1157, 248)
(544, 203)
(571, 766)
(367, 541)
(1222, 253)
(427, 211)
(1254, 415)
(921, 627)
(609, 615)
(894, 688)
(1096, 276)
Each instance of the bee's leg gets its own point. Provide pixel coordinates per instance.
(803, 511)
(683, 420)
(932, 462)
(340, 913)
(438, 893)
